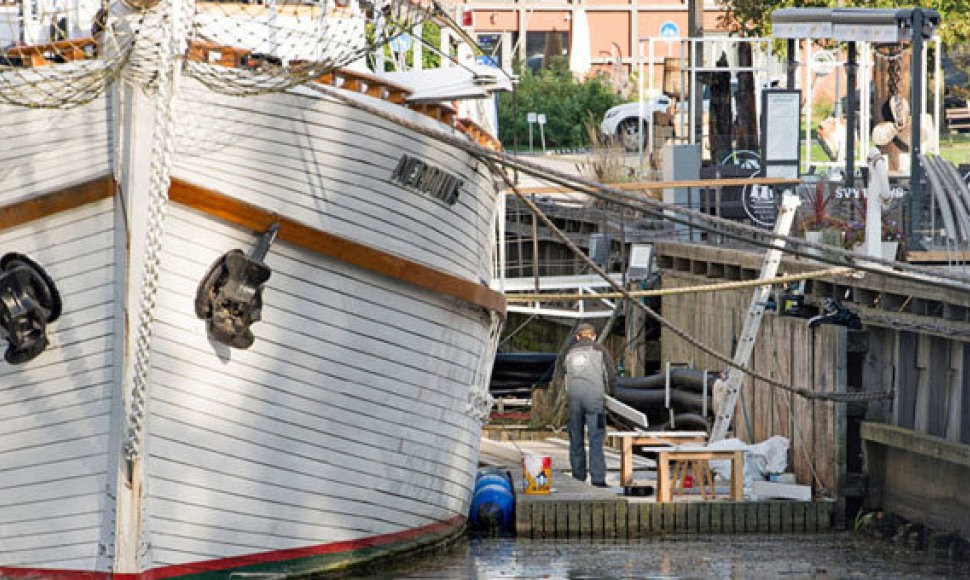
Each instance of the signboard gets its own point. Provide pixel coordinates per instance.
(669, 31)
(542, 119)
(491, 47)
(761, 204)
(780, 124)
(531, 117)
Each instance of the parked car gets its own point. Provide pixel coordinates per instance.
(623, 121)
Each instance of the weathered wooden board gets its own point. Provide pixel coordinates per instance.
(55, 410)
(762, 397)
(825, 411)
(904, 409)
(782, 403)
(939, 373)
(803, 432)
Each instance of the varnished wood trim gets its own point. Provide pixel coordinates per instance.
(248, 216)
(65, 199)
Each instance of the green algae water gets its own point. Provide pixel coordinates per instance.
(828, 556)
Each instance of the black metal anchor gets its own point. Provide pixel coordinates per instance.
(230, 298)
(29, 301)
(834, 313)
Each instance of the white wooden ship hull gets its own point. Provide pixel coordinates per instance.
(349, 429)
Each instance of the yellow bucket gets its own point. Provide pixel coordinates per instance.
(536, 474)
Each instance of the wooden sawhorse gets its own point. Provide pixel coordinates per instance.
(665, 439)
(698, 457)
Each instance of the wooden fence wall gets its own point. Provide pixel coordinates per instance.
(786, 350)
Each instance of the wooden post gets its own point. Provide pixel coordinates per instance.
(737, 476)
(626, 462)
(663, 477)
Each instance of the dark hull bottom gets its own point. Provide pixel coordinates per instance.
(324, 559)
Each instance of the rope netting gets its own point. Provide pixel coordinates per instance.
(64, 53)
(278, 44)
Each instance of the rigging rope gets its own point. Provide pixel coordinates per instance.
(491, 159)
(161, 168)
(682, 334)
(678, 291)
(698, 220)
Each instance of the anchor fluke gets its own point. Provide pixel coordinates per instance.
(29, 301)
(229, 298)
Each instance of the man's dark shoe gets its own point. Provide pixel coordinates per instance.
(579, 478)
(600, 484)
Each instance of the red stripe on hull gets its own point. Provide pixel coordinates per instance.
(277, 556)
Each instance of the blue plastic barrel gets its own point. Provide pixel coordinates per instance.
(493, 502)
(491, 479)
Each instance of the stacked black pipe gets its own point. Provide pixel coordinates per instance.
(648, 395)
(514, 373)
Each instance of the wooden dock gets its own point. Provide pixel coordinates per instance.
(624, 518)
(576, 510)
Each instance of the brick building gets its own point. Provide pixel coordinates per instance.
(517, 30)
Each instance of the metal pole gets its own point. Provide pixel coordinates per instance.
(502, 248)
(915, 173)
(792, 64)
(808, 104)
(851, 67)
(865, 108)
(695, 31)
(704, 397)
(535, 248)
(641, 96)
(667, 386)
(641, 111)
(696, 98)
(937, 93)
(684, 106)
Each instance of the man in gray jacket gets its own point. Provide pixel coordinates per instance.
(589, 374)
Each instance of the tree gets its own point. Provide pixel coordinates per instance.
(566, 102)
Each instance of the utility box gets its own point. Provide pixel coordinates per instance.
(682, 162)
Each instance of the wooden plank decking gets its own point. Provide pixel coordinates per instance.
(576, 510)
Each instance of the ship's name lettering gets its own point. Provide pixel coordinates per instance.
(428, 179)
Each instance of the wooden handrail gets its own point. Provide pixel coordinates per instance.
(212, 53)
(640, 185)
(35, 55)
(235, 57)
(479, 134)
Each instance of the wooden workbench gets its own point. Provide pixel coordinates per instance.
(631, 439)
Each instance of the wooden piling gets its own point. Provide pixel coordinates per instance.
(621, 518)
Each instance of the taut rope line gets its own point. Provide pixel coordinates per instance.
(521, 297)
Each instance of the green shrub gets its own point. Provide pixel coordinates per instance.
(821, 109)
(566, 102)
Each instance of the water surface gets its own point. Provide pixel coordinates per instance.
(833, 555)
